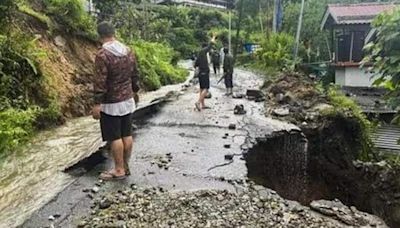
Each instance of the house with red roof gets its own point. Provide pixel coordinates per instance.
(350, 29)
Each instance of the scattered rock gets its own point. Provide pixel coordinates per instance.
(104, 203)
(227, 146)
(95, 189)
(200, 209)
(229, 157)
(232, 126)
(239, 110)
(60, 41)
(281, 112)
(237, 96)
(253, 94)
(51, 218)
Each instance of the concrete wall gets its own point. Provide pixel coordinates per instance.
(353, 76)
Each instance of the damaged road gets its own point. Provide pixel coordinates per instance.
(191, 165)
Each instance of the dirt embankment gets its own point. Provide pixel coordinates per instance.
(334, 145)
(67, 66)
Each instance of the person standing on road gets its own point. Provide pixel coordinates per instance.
(215, 59)
(203, 68)
(115, 87)
(228, 71)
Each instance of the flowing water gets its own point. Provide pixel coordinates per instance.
(32, 176)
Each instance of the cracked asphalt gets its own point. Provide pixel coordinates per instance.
(177, 149)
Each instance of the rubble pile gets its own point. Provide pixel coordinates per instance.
(255, 207)
(293, 97)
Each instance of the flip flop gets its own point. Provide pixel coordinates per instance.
(198, 108)
(107, 176)
(127, 170)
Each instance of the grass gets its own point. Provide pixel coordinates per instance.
(24, 8)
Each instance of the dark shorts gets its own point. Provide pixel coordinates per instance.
(229, 81)
(115, 127)
(204, 80)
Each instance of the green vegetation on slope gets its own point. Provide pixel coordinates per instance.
(28, 100)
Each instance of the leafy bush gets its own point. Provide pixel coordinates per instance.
(20, 78)
(275, 52)
(346, 106)
(155, 65)
(16, 126)
(72, 16)
(384, 54)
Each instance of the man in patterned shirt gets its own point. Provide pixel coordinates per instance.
(115, 86)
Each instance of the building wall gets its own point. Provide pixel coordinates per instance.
(353, 76)
(340, 76)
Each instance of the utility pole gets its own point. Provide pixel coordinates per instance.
(238, 28)
(260, 15)
(296, 49)
(230, 32)
(275, 17)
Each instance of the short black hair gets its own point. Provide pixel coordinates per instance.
(105, 29)
(226, 50)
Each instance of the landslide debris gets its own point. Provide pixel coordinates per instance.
(294, 97)
(253, 207)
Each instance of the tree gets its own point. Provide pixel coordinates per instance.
(384, 55)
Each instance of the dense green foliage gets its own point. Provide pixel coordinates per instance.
(276, 53)
(72, 16)
(155, 67)
(184, 29)
(16, 126)
(384, 54)
(346, 106)
(26, 104)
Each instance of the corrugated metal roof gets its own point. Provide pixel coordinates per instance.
(370, 99)
(386, 138)
(362, 13)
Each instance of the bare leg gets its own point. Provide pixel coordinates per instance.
(117, 149)
(203, 94)
(128, 145)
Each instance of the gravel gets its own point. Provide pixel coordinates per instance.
(135, 207)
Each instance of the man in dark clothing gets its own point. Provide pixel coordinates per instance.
(228, 71)
(115, 87)
(204, 74)
(215, 59)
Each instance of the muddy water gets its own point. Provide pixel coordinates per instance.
(33, 176)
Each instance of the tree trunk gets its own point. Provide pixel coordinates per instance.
(239, 23)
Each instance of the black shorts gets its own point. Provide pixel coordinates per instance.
(115, 127)
(204, 80)
(228, 81)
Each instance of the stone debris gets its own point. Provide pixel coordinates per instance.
(232, 126)
(348, 215)
(229, 157)
(163, 162)
(239, 110)
(253, 94)
(205, 208)
(95, 189)
(227, 146)
(281, 112)
(237, 96)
